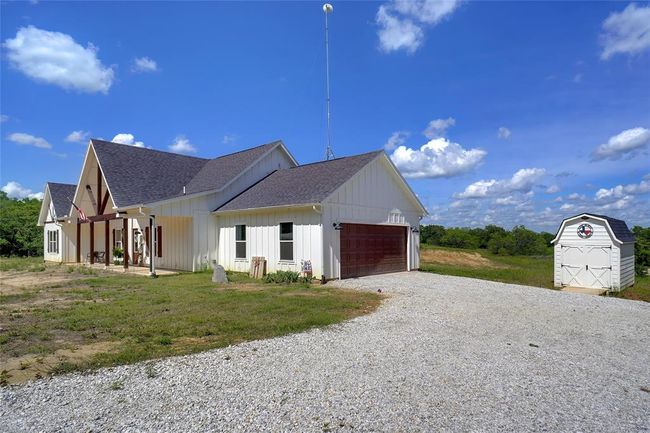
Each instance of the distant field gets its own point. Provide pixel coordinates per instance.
(530, 271)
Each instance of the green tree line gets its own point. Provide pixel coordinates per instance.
(518, 241)
(19, 234)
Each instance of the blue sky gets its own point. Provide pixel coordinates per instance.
(496, 112)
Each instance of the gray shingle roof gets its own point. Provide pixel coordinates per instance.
(138, 176)
(304, 184)
(61, 195)
(216, 173)
(620, 229)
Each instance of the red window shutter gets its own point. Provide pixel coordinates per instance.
(160, 241)
(146, 240)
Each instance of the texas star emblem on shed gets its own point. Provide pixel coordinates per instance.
(348, 216)
(594, 251)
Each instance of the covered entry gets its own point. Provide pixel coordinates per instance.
(587, 266)
(368, 249)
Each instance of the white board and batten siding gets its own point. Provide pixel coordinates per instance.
(363, 200)
(200, 247)
(599, 261)
(263, 239)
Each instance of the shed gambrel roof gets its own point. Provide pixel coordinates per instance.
(61, 195)
(302, 185)
(619, 228)
(137, 176)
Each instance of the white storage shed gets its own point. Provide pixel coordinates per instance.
(594, 251)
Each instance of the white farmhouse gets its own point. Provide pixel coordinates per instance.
(594, 251)
(345, 217)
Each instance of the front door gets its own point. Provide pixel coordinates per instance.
(586, 266)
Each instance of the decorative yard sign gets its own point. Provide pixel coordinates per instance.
(585, 231)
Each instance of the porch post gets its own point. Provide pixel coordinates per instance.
(107, 224)
(125, 241)
(151, 247)
(78, 252)
(92, 242)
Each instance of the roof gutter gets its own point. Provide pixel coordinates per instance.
(315, 206)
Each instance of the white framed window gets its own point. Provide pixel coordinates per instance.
(240, 241)
(53, 241)
(118, 238)
(286, 242)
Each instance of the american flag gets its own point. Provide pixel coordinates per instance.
(82, 215)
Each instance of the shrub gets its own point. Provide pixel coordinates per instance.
(118, 252)
(641, 250)
(285, 277)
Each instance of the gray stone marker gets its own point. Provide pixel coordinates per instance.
(219, 274)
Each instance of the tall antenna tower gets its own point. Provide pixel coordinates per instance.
(329, 153)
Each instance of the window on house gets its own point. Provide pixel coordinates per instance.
(117, 238)
(286, 241)
(240, 241)
(53, 241)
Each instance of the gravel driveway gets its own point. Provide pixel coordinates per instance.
(442, 354)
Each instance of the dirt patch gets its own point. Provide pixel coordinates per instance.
(15, 282)
(28, 367)
(458, 258)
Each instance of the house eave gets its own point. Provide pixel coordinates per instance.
(266, 208)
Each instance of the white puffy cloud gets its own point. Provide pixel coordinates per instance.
(182, 145)
(438, 127)
(401, 22)
(144, 64)
(620, 191)
(55, 58)
(575, 196)
(567, 207)
(626, 143)
(626, 32)
(77, 136)
(522, 181)
(504, 133)
(29, 140)
(397, 138)
(229, 138)
(438, 158)
(16, 190)
(552, 189)
(129, 139)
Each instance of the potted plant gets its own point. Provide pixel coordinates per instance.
(118, 256)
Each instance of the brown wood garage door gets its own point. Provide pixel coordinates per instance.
(372, 249)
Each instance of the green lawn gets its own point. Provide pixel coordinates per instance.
(531, 271)
(32, 264)
(171, 315)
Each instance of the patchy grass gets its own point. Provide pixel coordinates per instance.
(639, 292)
(527, 270)
(145, 318)
(30, 264)
(530, 271)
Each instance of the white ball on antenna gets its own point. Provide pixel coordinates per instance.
(328, 8)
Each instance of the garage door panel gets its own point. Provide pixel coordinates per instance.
(372, 249)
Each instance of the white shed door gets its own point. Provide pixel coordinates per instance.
(586, 266)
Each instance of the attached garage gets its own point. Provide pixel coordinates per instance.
(594, 251)
(369, 249)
